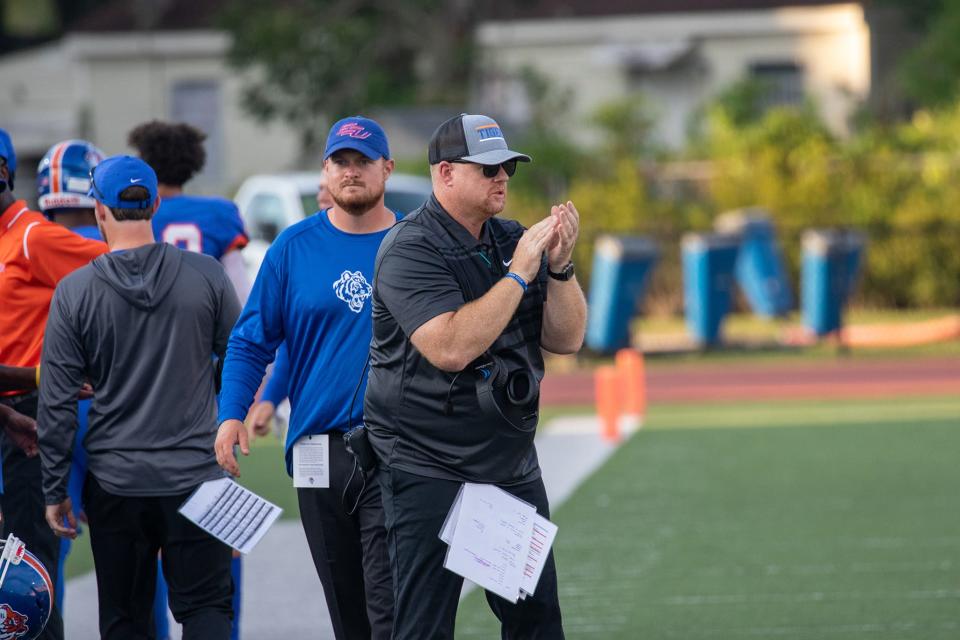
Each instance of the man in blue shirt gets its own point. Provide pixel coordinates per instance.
(313, 293)
(275, 391)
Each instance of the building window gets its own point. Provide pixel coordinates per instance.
(197, 102)
(783, 81)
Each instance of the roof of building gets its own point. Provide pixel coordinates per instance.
(598, 8)
(170, 15)
(151, 15)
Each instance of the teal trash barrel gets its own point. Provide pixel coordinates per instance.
(830, 269)
(621, 270)
(709, 260)
(760, 270)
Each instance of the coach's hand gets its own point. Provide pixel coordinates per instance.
(260, 416)
(567, 224)
(56, 514)
(529, 252)
(231, 432)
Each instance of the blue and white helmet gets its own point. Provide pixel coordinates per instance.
(63, 177)
(26, 592)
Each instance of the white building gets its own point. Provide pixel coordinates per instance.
(678, 55)
(100, 85)
(121, 68)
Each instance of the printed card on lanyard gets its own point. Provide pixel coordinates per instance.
(311, 462)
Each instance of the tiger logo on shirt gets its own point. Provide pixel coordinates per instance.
(353, 289)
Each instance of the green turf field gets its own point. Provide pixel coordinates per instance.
(787, 520)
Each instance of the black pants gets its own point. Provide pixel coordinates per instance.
(427, 595)
(125, 534)
(24, 509)
(350, 551)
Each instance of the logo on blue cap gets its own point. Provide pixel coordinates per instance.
(114, 175)
(360, 134)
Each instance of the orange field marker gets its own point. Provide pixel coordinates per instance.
(607, 396)
(633, 386)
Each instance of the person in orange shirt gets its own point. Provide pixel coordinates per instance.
(35, 254)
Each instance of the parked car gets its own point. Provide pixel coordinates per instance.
(271, 203)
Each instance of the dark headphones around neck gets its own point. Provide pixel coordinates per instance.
(511, 394)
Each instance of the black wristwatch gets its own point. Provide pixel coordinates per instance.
(564, 274)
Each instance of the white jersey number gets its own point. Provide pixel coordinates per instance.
(185, 236)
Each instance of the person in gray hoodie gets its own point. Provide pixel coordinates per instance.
(141, 323)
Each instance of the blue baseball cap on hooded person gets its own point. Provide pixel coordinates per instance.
(115, 174)
(9, 155)
(360, 134)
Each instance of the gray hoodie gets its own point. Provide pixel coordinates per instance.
(142, 326)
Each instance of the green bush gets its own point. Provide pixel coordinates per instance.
(897, 184)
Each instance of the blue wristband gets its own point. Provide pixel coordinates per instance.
(518, 279)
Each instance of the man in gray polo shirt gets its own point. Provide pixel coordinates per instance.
(463, 303)
(141, 323)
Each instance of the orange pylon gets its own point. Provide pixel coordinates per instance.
(633, 381)
(607, 396)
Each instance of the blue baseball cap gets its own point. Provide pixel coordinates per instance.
(7, 151)
(109, 179)
(360, 134)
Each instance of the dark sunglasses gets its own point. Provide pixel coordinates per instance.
(492, 170)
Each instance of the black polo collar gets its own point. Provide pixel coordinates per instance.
(458, 232)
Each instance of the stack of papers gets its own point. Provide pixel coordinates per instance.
(231, 513)
(497, 541)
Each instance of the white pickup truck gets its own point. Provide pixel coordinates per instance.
(271, 203)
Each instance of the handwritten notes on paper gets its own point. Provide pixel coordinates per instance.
(496, 540)
(231, 513)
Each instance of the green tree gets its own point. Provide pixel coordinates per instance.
(931, 73)
(308, 61)
(920, 13)
(626, 125)
(556, 160)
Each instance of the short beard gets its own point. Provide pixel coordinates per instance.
(360, 204)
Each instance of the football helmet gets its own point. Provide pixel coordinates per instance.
(63, 177)
(26, 592)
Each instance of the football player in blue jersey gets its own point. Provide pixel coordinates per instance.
(203, 224)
